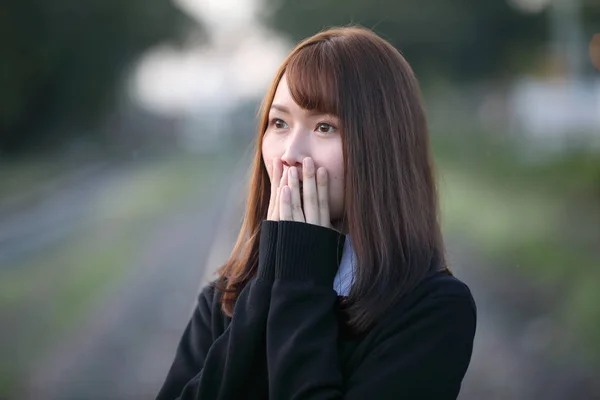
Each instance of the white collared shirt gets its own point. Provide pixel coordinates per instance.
(345, 274)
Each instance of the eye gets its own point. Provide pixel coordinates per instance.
(326, 128)
(278, 123)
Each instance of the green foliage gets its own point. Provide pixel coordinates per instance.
(53, 288)
(462, 39)
(62, 60)
(536, 219)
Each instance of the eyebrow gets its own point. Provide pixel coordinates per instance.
(281, 108)
(284, 109)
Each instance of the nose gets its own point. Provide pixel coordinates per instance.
(296, 150)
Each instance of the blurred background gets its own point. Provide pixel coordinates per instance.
(125, 136)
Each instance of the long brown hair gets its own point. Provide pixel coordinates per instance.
(391, 202)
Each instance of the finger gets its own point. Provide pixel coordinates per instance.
(275, 171)
(294, 184)
(275, 214)
(323, 196)
(311, 208)
(284, 176)
(285, 204)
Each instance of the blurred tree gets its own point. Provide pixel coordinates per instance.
(466, 39)
(62, 61)
(460, 39)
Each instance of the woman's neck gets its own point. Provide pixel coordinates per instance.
(340, 225)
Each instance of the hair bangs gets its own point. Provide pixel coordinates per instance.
(312, 79)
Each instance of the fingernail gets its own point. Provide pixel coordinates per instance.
(294, 172)
(309, 165)
(321, 173)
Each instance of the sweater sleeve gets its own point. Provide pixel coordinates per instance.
(425, 356)
(234, 364)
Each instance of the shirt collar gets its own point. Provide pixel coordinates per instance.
(345, 274)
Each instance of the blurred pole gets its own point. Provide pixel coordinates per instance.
(566, 35)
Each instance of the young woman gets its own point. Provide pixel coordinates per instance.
(337, 287)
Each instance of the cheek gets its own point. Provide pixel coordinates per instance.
(334, 163)
(336, 184)
(337, 172)
(268, 162)
(336, 187)
(269, 152)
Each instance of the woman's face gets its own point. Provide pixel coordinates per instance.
(294, 133)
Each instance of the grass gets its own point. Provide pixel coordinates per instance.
(44, 295)
(539, 218)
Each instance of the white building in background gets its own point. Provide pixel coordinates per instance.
(556, 111)
(559, 111)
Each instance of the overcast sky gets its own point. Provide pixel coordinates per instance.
(240, 64)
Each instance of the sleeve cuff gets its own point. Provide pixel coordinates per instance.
(307, 252)
(267, 250)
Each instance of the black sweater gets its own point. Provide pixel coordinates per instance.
(286, 339)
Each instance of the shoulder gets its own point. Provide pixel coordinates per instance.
(207, 296)
(208, 308)
(438, 317)
(428, 333)
(442, 301)
(444, 285)
(440, 287)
